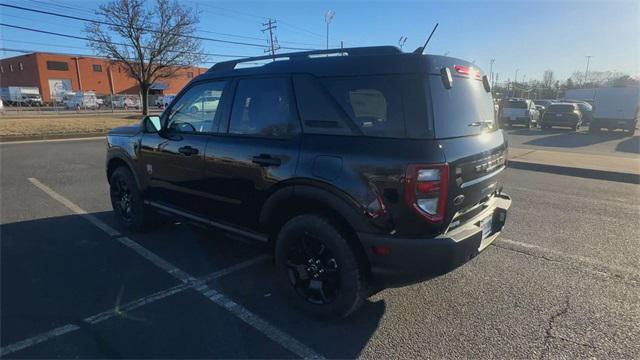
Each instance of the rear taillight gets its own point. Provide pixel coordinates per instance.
(426, 190)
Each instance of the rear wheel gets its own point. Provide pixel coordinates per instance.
(318, 268)
(127, 201)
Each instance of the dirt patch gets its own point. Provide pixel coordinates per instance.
(44, 126)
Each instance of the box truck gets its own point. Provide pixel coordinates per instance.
(616, 108)
(21, 95)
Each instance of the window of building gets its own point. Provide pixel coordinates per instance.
(57, 65)
(189, 74)
(20, 66)
(1, 69)
(97, 68)
(263, 107)
(11, 67)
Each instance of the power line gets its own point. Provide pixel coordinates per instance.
(148, 30)
(105, 42)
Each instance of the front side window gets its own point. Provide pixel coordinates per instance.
(263, 107)
(196, 111)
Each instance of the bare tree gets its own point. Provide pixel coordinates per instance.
(547, 78)
(150, 42)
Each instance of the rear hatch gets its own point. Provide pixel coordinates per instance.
(560, 113)
(465, 127)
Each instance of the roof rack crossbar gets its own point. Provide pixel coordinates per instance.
(355, 51)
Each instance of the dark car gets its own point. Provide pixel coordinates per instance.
(369, 169)
(586, 110)
(562, 114)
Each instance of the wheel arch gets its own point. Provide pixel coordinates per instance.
(117, 160)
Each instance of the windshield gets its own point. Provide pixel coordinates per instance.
(465, 109)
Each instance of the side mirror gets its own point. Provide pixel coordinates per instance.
(151, 124)
(539, 107)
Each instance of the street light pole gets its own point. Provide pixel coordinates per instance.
(586, 72)
(515, 81)
(491, 69)
(328, 16)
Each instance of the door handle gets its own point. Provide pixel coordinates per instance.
(187, 150)
(266, 160)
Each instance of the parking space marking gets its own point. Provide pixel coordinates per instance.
(121, 310)
(75, 208)
(23, 344)
(266, 328)
(559, 256)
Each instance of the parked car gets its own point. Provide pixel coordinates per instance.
(562, 114)
(163, 101)
(122, 101)
(364, 170)
(616, 108)
(519, 111)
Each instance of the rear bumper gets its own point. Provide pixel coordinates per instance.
(517, 120)
(412, 260)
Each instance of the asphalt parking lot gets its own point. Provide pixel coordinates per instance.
(562, 281)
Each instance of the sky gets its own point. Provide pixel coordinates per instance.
(527, 36)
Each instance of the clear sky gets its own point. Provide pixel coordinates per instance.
(527, 35)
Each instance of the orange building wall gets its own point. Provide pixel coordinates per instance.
(35, 73)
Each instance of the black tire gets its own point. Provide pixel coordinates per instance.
(127, 201)
(593, 129)
(528, 124)
(337, 285)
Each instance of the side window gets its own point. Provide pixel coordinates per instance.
(319, 113)
(195, 111)
(263, 107)
(374, 103)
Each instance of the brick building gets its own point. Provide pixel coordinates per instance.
(55, 74)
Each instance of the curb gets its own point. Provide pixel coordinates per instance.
(10, 139)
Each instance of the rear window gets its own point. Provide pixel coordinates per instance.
(465, 109)
(515, 104)
(561, 108)
(373, 103)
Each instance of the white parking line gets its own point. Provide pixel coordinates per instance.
(121, 310)
(75, 208)
(37, 339)
(267, 329)
(582, 261)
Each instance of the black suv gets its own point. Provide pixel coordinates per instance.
(363, 167)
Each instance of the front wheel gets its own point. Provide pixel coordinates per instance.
(127, 201)
(318, 267)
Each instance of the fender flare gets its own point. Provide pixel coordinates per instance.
(333, 199)
(119, 154)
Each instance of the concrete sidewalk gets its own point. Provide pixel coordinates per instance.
(613, 168)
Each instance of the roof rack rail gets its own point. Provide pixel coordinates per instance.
(354, 51)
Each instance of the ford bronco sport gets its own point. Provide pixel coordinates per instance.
(363, 167)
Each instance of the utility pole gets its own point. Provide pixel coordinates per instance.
(495, 83)
(328, 17)
(273, 44)
(491, 69)
(586, 72)
(515, 81)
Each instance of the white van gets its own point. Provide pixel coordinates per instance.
(616, 108)
(84, 100)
